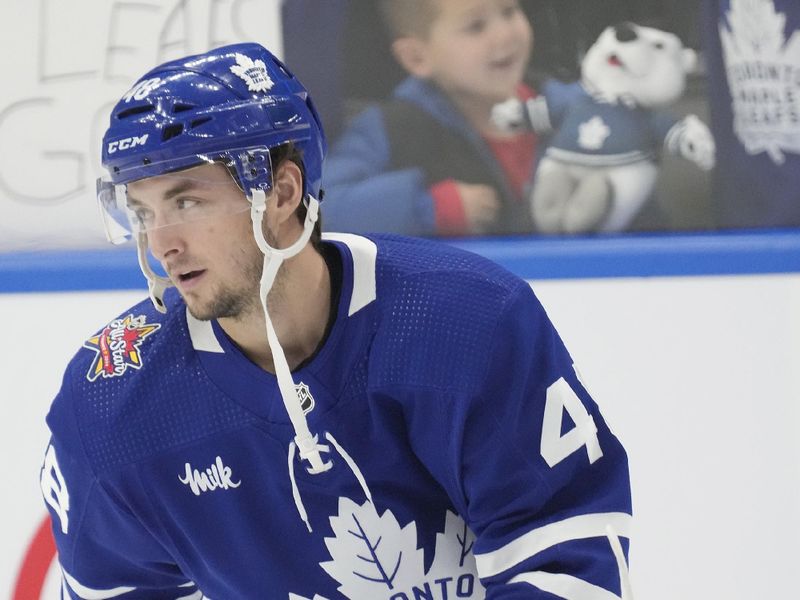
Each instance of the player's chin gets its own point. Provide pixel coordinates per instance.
(194, 301)
(198, 310)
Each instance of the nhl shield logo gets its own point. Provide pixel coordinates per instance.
(305, 397)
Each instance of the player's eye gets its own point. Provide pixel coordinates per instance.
(658, 45)
(182, 203)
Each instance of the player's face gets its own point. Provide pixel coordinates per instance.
(479, 48)
(214, 262)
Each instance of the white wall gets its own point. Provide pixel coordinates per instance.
(42, 332)
(694, 374)
(699, 378)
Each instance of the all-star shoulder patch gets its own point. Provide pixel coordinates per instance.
(117, 346)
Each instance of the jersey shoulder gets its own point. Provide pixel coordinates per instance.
(438, 264)
(440, 310)
(135, 388)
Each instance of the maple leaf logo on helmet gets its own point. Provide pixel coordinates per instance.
(254, 73)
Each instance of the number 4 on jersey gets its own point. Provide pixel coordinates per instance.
(556, 446)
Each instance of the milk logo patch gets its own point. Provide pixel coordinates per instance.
(763, 69)
(117, 346)
(254, 73)
(217, 476)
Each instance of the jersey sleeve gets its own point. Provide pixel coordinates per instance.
(533, 468)
(103, 550)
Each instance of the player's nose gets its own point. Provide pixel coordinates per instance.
(165, 241)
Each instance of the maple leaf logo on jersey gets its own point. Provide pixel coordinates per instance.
(254, 73)
(117, 346)
(374, 557)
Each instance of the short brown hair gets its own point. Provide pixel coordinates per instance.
(408, 18)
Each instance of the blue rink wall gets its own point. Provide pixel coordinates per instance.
(689, 344)
(734, 253)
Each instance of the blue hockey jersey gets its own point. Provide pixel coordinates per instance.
(469, 461)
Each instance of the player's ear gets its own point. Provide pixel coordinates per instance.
(412, 54)
(288, 184)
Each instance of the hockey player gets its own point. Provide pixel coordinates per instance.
(306, 417)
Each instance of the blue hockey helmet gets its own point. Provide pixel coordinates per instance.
(230, 104)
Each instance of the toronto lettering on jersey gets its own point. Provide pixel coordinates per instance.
(214, 477)
(441, 589)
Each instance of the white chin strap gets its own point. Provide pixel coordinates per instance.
(308, 445)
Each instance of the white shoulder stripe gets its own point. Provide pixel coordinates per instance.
(538, 540)
(364, 253)
(90, 594)
(202, 335)
(564, 586)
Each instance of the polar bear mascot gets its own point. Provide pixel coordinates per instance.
(608, 130)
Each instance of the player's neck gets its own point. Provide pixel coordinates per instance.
(299, 307)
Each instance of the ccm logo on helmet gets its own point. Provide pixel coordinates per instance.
(126, 143)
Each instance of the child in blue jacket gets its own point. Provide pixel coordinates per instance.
(429, 161)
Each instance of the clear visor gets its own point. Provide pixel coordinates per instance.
(190, 196)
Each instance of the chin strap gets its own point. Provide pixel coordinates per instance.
(308, 445)
(298, 499)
